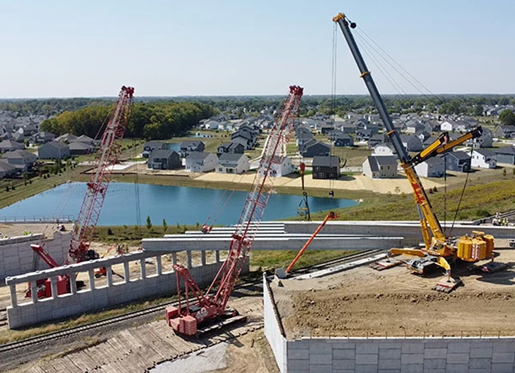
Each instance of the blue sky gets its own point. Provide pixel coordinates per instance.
(58, 48)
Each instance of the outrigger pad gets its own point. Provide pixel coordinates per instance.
(493, 267)
(385, 263)
(446, 285)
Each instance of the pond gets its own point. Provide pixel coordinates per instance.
(176, 205)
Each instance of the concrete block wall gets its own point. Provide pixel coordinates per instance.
(16, 256)
(386, 355)
(41, 310)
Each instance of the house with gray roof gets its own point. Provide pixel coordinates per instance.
(280, 166)
(10, 145)
(344, 140)
(54, 150)
(412, 143)
(506, 155)
(231, 148)
(150, 146)
(80, 148)
(42, 137)
(21, 159)
(326, 167)
(431, 167)
(483, 158)
(164, 159)
(191, 146)
(200, 162)
(67, 138)
(316, 148)
(380, 167)
(457, 161)
(484, 141)
(232, 163)
(505, 132)
(7, 170)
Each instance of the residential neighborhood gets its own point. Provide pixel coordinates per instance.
(316, 138)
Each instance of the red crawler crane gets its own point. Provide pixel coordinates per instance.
(84, 228)
(190, 313)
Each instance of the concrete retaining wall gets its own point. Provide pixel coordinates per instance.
(16, 256)
(392, 355)
(94, 298)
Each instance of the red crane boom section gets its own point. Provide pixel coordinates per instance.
(213, 302)
(107, 156)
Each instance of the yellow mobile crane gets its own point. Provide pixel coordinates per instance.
(438, 249)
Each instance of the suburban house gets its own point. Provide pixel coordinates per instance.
(483, 141)
(21, 159)
(506, 155)
(484, 158)
(164, 159)
(78, 148)
(317, 148)
(383, 149)
(431, 167)
(42, 137)
(505, 132)
(326, 167)
(232, 163)
(344, 140)
(380, 167)
(66, 138)
(231, 148)
(10, 145)
(363, 134)
(448, 125)
(376, 139)
(411, 143)
(457, 161)
(244, 137)
(201, 162)
(85, 140)
(280, 166)
(6, 169)
(150, 146)
(302, 138)
(54, 150)
(191, 146)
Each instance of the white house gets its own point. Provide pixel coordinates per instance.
(200, 162)
(432, 167)
(211, 125)
(483, 158)
(281, 166)
(383, 149)
(380, 167)
(448, 125)
(232, 163)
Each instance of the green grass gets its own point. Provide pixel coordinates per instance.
(267, 260)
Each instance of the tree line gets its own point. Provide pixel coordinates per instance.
(151, 121)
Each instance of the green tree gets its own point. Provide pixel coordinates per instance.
(507, 118)
(478, 110)
(149, 222)
(165, 226)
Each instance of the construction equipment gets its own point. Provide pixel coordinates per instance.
(283, 273)
(84, 228)
(186, 317)
(439, 249)
(303, 209)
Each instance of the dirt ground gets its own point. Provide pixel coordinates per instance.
(365, 302)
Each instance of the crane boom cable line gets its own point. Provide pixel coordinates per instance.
(383, 70)
(389, 59)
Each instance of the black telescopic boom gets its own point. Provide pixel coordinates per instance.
(372, 89)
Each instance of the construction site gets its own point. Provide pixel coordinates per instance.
(411, 299)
